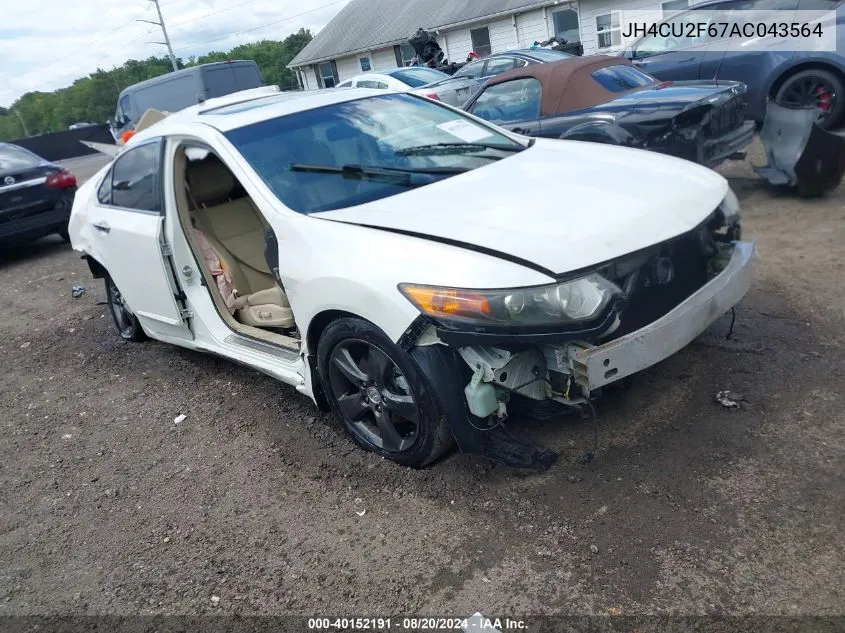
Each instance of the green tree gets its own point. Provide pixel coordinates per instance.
(93, 98)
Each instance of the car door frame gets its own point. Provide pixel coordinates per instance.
(527, 127)
(148, 282)
(213, 334)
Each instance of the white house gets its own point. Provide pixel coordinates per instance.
(371, 35)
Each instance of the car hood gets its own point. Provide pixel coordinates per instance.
(560, 205)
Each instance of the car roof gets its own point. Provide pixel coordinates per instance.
(230, 112)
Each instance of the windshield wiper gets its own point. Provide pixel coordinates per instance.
(392, 175)
(454, 148)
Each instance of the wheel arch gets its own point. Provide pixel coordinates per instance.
(97, 269)
(812, 64)
(316, 327)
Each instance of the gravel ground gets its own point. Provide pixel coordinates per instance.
(258, 504)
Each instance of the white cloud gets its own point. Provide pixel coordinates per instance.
(51, 45)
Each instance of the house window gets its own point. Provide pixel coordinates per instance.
(673, 6)
(566, 25)
(326, 74)
(365, 64)
(405, 54)
(609, 29)
(481, 41)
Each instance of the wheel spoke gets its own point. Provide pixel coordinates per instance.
(391, 440)
(345, 363)
(402, 405)
(352, 406)
(377, 363)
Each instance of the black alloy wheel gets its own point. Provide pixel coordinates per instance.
(379, 394)
(815, 87)
(128, 326)
(373, 396)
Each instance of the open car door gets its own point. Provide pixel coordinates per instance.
(127, 239)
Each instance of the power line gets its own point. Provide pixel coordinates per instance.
(206, 15)
(264, 26)
(83, 48)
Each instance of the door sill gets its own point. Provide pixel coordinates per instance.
(273, 349)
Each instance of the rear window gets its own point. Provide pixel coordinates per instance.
(13, 157)
(621, 78)
(312, 160)
(416, 77)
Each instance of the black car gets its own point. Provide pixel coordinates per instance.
(36, 196)
(608, 100)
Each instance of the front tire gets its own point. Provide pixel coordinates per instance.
(379, 395)
(127, 324)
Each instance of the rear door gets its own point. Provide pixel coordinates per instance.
(677, 52)
(128, 240)
(513, 105)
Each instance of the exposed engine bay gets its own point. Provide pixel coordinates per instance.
(653, 283)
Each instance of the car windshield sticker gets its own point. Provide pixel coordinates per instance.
(464, 130)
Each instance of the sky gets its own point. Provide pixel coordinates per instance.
(50, 43)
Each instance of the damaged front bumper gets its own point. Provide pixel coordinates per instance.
(548, 376)
(595, 367)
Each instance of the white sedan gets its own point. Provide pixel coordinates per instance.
(426, 82)
(414, 269)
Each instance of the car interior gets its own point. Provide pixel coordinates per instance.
(214, 207)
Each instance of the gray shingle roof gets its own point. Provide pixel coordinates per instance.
(370, 24)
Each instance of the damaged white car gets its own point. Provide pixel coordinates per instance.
(415, 269)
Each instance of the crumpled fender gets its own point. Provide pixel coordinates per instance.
(601, 132)
(800, 153)
(441, 368)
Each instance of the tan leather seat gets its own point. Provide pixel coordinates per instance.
(235, 230)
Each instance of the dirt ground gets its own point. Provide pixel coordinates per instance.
(258, 504)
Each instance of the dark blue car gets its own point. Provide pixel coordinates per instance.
(36, 196)
(792, 78)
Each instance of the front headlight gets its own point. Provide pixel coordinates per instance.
(575, 301)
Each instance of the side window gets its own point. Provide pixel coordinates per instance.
(676, 35)
(498, 65)
(371, 83)
(104, 192)
(136, 181)
(473, 70)
(516, 100)
(344, 84)
(519, 63)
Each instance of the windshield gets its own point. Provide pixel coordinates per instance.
(13, 157)
(416, 77)
(361, 140)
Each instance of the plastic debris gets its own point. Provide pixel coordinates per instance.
(179, 419)
(215, 600)
(594, 549)
(729, 399)
(361, 513)
(77, 291)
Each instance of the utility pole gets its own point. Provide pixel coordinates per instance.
(166, 41)
(23, 123)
